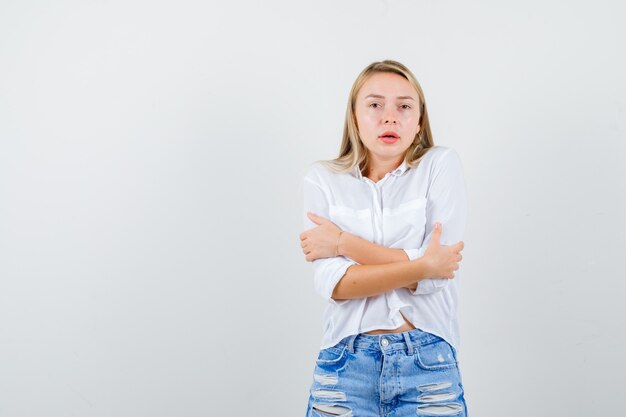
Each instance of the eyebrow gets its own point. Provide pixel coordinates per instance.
(399, 97)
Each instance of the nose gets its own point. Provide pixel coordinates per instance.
(390, 116)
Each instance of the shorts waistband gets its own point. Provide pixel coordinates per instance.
(386, 342)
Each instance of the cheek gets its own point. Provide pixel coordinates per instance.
(368, 143)
(368, 127)
(412, 121)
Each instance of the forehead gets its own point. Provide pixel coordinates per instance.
(387, 84)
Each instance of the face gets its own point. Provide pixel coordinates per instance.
(387, 104)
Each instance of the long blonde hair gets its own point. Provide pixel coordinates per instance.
(352, 151)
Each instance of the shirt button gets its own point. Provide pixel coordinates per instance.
(384, 342)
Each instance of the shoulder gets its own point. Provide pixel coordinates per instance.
(443, 156)
(442, 152)
(319, 173)
(314, 172)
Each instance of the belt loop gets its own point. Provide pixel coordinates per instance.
(409, 345)
(351, 342)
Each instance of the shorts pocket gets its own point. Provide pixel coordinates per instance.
(333, 357)
(436, 355)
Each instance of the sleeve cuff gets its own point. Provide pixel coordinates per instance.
(430, 285)
(337, 273)
(414, 253)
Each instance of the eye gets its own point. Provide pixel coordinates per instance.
(374, 104)
(407, 106)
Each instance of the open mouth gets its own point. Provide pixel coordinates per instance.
(390, 135)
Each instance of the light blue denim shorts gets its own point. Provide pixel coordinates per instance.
(413, 373)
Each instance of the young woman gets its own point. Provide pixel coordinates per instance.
(383, 227)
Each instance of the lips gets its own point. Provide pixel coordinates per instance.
(390, 134)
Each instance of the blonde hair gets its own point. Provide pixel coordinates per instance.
(352, 151)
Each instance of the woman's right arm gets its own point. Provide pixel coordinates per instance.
(319, 243)
(361, 281)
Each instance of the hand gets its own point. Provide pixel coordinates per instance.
(442, 260)
(320, 241)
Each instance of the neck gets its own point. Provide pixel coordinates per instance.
(377, 169)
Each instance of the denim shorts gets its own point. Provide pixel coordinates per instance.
(413, 373)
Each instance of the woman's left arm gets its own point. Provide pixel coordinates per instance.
(369, 253)
(361, 250)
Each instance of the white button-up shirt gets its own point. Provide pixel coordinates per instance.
(398, 211)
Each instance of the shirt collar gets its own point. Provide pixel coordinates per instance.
(397, 172)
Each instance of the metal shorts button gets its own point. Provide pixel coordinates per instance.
(384, 342)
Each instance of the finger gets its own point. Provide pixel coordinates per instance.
(315, 218)
(436, 233)
(307, 231)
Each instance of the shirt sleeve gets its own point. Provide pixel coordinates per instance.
(447, 204)
(326, 271)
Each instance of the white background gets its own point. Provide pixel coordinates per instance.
(150, 159)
